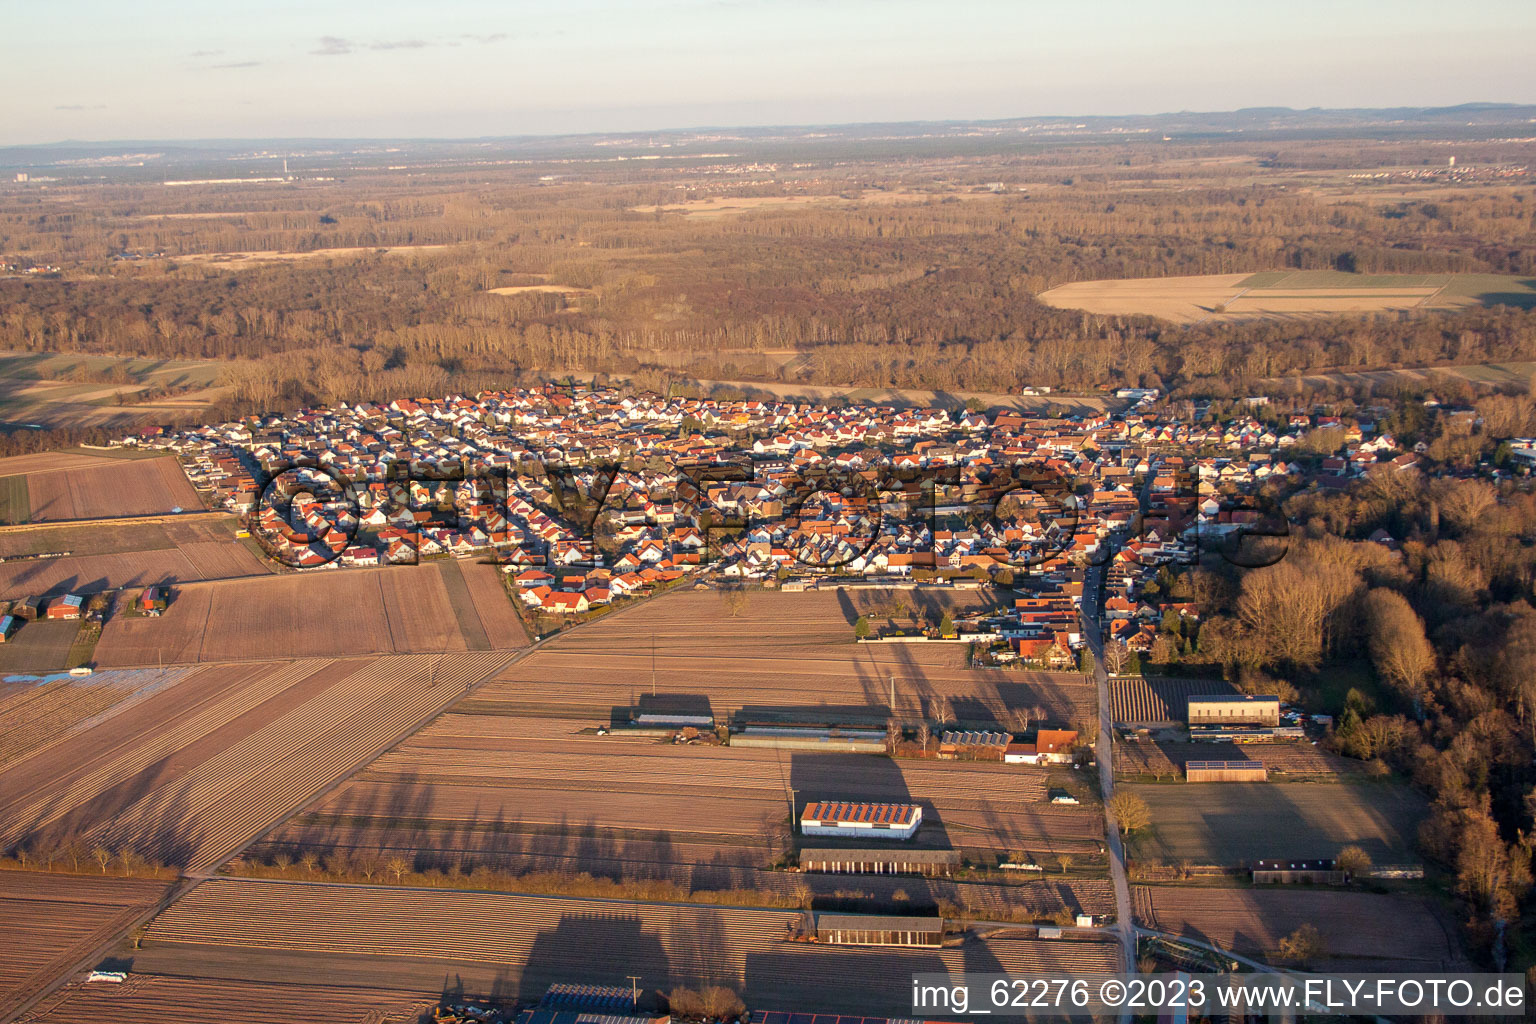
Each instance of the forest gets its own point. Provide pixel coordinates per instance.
(917, 273)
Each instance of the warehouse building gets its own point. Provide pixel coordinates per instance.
(879, 930)
(1234, 709)
(860, 820)
(1226, 771)
(880, 862)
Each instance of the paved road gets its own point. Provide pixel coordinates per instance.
(1104, 751)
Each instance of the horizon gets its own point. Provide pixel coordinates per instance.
(346, 70)
(796, 126)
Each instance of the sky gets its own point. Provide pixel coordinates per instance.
(172, 69)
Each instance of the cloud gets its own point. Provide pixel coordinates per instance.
(205, 53)
(81, 106)
(336, 46)
(238, 64)
(332, 46)
(494, 37)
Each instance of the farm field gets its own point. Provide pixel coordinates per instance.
(193, 770)
(724, 206)
(1297, 761)
(790, 653)
(1361, 931)
(47, 921)
(38, 647)
(39, 713)
(259, 257)
(164, 999)
(1236, 822)
(1288, 294)
(35, 388)
(112, 487)
(278, 927)
(1141, 701)
(108, 557)
(1482, 373)
(400, 609)
(537, 794)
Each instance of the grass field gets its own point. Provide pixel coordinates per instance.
(1280, 294)
(1233, 823)
(15, 504)
(39, 647)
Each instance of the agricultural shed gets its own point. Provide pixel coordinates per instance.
(66, 607)
(879, 930)
(879, 862)
(1311, 872)
(1226, 771)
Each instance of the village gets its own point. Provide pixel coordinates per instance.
(590, 497)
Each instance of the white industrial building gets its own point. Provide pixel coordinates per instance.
(859, 820)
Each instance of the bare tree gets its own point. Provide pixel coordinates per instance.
(1065, 860)
(1130, 810)
(102, 856)
(734, 601)
(1116, 654)
(397, 866)
(1397, 644)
